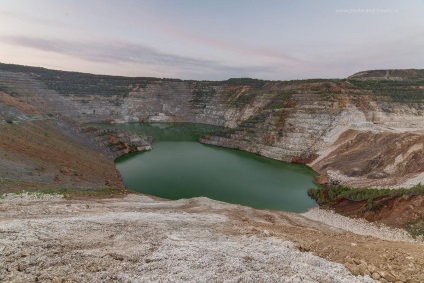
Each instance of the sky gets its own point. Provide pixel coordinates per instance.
(214, 39)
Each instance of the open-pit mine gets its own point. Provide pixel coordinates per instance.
(68, 215)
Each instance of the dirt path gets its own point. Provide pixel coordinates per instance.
(139, 239)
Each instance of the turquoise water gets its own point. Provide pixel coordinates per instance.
(180, 167)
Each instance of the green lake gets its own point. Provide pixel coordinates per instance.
(180, 167)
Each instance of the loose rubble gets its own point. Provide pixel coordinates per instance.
(137, 239)
(26, 196)
(359, 226)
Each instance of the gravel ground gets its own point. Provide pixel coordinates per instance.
(26, 196)
(359, 226)
(137, 239)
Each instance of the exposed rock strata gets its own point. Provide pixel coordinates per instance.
(309, 121)
(367, 158)
(319, 122)
(118, 142)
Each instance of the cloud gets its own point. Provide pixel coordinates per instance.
(114, 52)
(108, 51)
(279, 58)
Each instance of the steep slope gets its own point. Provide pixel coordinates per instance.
(41, 155)
(390, 158)
(41, 150)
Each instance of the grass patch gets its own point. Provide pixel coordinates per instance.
(281, 100)
(369, 199)
(332, 193)
(416, 229)
(6, 181)
(400, 91)
(256, 83)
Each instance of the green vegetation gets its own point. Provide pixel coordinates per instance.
(6, 181)
(281, 100)
(255, 83)
(202, 94)
(408, 74)
(330, 194)
(247, 97)
(408, 91)
(416, 229)
(243, 90)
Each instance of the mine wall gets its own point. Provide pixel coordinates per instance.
(346, 133)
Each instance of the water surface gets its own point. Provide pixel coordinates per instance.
(180, 167)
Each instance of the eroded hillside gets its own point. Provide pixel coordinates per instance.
(41, 149)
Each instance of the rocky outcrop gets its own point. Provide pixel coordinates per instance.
(118, 142)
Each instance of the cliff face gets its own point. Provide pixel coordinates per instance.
(364, 130)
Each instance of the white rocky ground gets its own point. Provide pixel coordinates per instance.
(359, 226)
(138, 239)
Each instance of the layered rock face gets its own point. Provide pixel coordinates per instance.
(40, 149)
(364, 130)
(118, 142)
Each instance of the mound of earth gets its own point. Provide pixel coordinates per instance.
(140, 239)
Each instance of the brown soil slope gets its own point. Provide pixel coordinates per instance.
(39, 149)
(39, 154)
(380, 159)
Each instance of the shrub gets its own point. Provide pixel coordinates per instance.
(332, 193)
